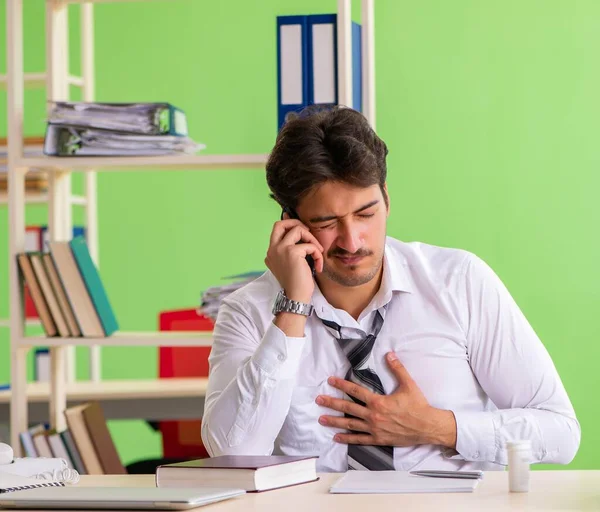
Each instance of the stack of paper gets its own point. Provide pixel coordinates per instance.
(36, 180)
(111, 129)
(211, 298)
(398, 482)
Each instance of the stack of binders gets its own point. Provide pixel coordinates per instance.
(117, 129)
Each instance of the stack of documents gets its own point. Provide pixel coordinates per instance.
(399, 482)
(36, 180)
(117, 129)
(211, 298)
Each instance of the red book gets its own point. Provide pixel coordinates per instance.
(249, 472)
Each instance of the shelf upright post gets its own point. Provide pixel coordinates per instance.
(16, 219)
(368, 60)
(344, 50)
(59, 194)
(91, 208)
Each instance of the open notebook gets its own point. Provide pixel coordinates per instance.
(397, 482)
(10, 483)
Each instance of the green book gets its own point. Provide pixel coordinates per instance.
(94, 285)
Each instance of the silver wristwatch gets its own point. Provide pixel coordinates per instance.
(284, 305)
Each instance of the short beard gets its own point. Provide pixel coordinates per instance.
(352, 280)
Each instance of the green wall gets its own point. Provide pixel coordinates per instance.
(490, 110)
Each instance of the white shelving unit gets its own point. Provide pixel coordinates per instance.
(88, 200)
(59, 197)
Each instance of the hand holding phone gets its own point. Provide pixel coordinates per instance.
(291, 242)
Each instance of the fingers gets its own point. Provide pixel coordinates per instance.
(399, 371)
(299, 234)
(281, 228)
(363, 394)
(352, 424)
(292, 231)
(316, 253)
(345, 406)
(366, 439)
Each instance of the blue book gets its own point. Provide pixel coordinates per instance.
(94, 285)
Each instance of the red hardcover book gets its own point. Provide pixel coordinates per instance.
(249, 472)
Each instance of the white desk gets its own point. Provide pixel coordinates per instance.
(156, 399)
(550, 491)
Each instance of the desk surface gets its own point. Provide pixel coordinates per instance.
(550, 490)
(118, 389)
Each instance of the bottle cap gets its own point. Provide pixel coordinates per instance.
(522, 444)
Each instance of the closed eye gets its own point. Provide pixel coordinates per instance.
(322, 228)
(366, 215)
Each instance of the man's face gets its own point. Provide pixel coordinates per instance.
(350, 223)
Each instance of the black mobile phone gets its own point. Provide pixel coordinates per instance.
(293, 215)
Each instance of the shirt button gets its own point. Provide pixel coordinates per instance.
(281, 357)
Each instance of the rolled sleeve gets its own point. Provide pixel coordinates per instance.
(475, 436)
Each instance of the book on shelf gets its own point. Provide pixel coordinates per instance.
(252, 473)
(102, 440)
(41, 368)
(83, 440)
(67, 291)
(90, 434)
(83, 288)
(61, 297)
(49, 293)
(94, 285)
(36, 294)
(36, 240)
(41, 441)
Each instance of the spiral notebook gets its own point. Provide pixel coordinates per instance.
(10, 483)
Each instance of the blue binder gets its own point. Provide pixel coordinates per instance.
(318, 64)
(292, 65)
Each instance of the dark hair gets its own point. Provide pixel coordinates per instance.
(334, 144)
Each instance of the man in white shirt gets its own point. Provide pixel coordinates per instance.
(389, 355)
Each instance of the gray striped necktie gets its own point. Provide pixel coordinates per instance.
(357, 350)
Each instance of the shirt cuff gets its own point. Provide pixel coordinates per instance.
(278, 355)
(475, 436)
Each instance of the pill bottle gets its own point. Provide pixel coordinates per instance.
(519, 459)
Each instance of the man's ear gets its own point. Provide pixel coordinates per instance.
(387, 198)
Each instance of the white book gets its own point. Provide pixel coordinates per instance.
(397, 482)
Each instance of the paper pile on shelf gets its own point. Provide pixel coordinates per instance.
(36, 180)
(117, 129)
(212, 297)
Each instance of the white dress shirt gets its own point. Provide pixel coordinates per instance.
(450, 321)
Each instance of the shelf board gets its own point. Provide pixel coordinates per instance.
(128, 339)
(36, 80)
(133, 163)
(32, 80)
(83, 390)
(42, 198)
(102, 1)
(30, 322)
